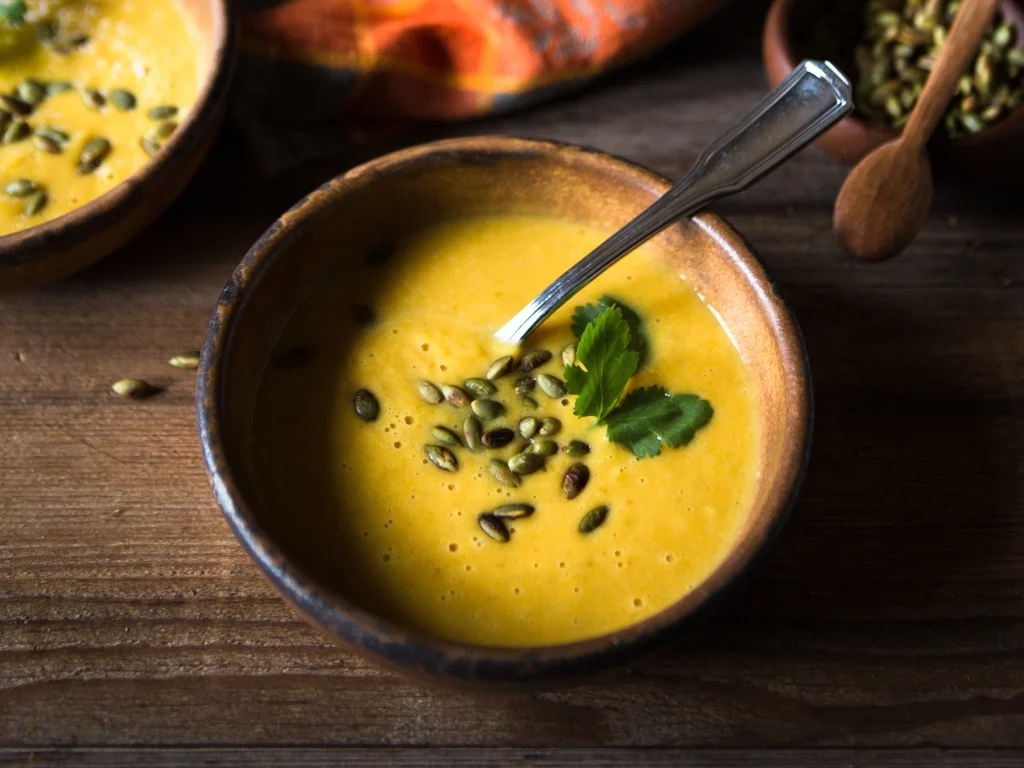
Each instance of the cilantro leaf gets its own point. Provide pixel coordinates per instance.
(588, 313)
(13, 11)
(649, 417)
(604, 349)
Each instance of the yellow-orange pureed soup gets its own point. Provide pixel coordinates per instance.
(361, 507)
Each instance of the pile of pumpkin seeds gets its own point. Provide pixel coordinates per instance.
(899, 47)
(18, 107)
(495, 422)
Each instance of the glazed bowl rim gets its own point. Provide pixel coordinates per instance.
(418, 653)
(80, 223)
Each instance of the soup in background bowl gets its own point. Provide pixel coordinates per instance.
(557, 547)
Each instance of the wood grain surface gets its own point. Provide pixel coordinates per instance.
(886, 628)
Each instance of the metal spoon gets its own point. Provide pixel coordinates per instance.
(814, 97)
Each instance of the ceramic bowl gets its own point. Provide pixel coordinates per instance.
(790, 37)
(64, 245)
(426, 184)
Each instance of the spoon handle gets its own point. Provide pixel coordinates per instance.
(814, 97)
(955, 56)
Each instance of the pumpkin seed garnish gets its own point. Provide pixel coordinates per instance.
(498, 438)
(528, 426)
(429, 392)
(47, 145)
(501, 472)
(441, 458)
(576, 448)
(47, 31)
(16, 130)
(93, 155)
(93, 98)
(552, 386)
(446, 436)
(487, 410)
(529, 403)
(512, 511)
(593, 519)
(123, 99)
(14, 105)
(575, 480)
(494, 528)
(21, 188)
(36, 203)
(57, 87)
(543, 447)
(525, 385)
(473, 431)
(525, 463)
(149, 146)
(499, 368)
(481, 387)
(133, 389)
(366, 405)
(31, 91)
(162, 112)
(189, 360)
(454, 395)
(295, 357)
(569, 355)
(549, 426)
(534, 359)
(163, 131)
(53, 134)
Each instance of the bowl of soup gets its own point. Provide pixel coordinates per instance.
(473, 513)
(107, 109)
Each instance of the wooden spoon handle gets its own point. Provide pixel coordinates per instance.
(955, 55)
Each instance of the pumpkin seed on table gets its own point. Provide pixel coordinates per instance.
(454, 395)
(162, 112)
(575, 480)
(36, 203)
(501, 472)
(552, 386)
(93, 98)
(494, 527)
(481, 387)
(594, 519)
(498, 438)
(473, 431)
(512, 511)
(21, 188)
(429, 392)
(31, 91)
(133, 389)
(16, 130)
(442, 458)
(123, 99)
(576, 448)
(487, 410)
(525, 463)
(366, 405)
(569, 355)
(543, 448)
(534, 359)
(499, 368)
(188, 359)
(549, 426)
(446, 436)
(528, 426)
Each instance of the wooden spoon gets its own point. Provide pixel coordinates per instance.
(885, 200)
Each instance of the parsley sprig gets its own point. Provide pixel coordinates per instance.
(611, 347)
(13, 11)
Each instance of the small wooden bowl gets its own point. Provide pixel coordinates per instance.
(413, 188)
(788, 40)
(64, 245)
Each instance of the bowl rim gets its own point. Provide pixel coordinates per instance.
(81, 223)
(419, 654)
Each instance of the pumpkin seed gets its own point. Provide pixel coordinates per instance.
(487, 410)
(149, 146)
(593, 519)
(494, 527)
(31, 91)
(501, 472)
(429, 392)
(15, 106)
(163, 131)
(295, 357)
(47, 145)
(528, 427)
(543, 447)
(473, 430)
(16, 130)
(525, 463)
(499, 368)
(123, 99)
(21, 188)
(552, 386)
(47, 31)
(576, 448)
(529, 403)
(445, 435)
(525, 385)
(569, 355)
(57, 87)
(498, 438)
(441, 458)
(454, 395)
(188, 359)
(162, 112)
(93, 155)
(53, 134)
(93, 99)
(534, 359)
(366, 405)
(575, 480)
(512, 511)
(481, 387)
(36, 203)
(133, 389)
(549, 426)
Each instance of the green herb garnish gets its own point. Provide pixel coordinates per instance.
(650, 416)
(604, 349)
(13, 11)
(588, 313)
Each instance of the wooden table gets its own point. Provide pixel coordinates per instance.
(886, 628)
